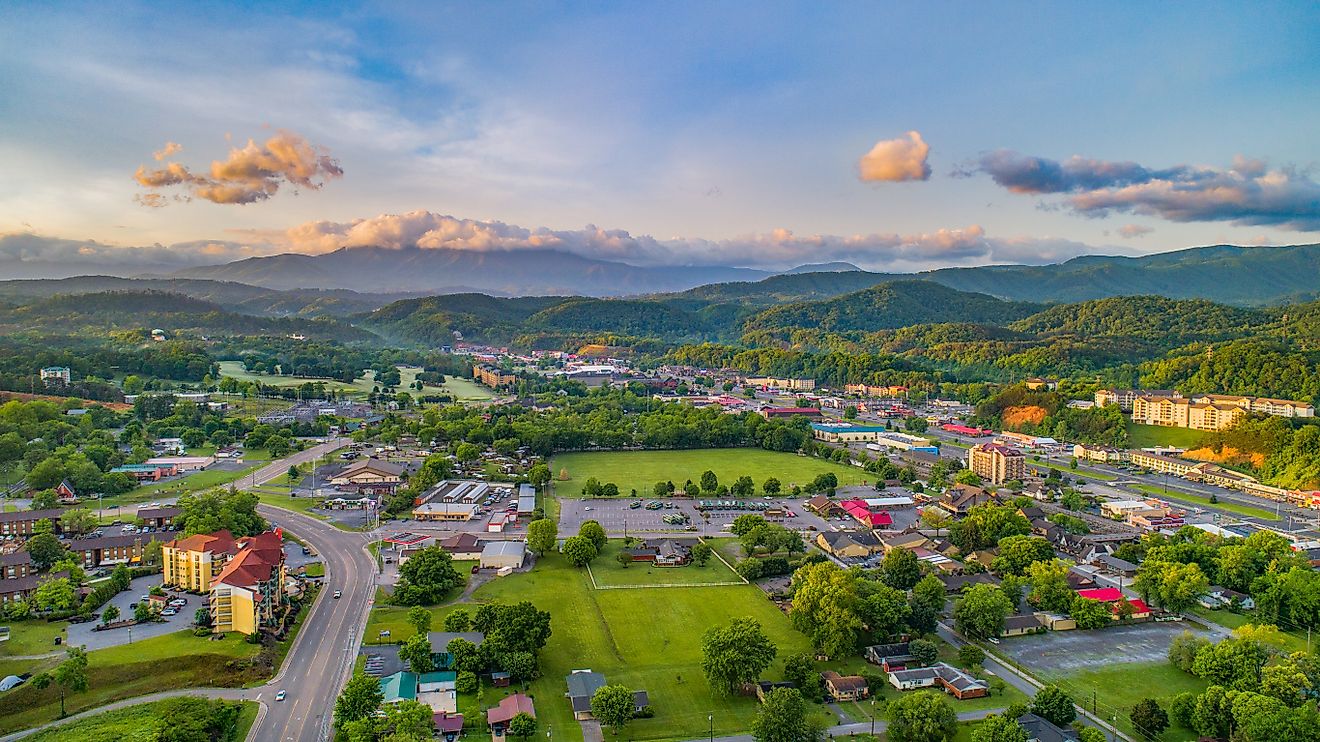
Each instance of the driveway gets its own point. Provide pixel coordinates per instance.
(82, 633)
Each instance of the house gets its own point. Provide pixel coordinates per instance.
(996, 464)
(666, 552)
(1021, 624)
(64, 491)
(1218, 596)
(890, 656)
(849, 544)
(440, 644)
(582, 684)
(1044, 730)
(1111, 563)
(844, 687)
(958, 583)
(369, 472)
(498, 718)
(953, 681)
(463, 546)
(910, 541)
(764, 687)
(503, 554)
(1115, 597)
(56, 375)
(823, 506)
(162, 517)
(959, 499)
(399, 687)
(447, 725)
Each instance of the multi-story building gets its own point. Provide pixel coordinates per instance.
(24, 523)
(1261, 405)
(1125, 398)
(248, 594)
(995, 463)
(114, 549)
(56, 374)
(866, 390)
(193, 563)
(792, 385)
(1102, 454)
(1186, 413)
(493, 376)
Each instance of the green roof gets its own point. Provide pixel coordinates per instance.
(401, 686)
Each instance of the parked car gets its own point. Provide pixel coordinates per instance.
(170, 612)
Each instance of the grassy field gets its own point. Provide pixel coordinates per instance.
(1293, 641)
(1151, 436)
(465, 390)
(1231, 507)
(608, 572)
(131, 724)
(1074, 473)
(640, 470)
(644, 639)
(178, 660)
(1120, 686)
(29, 637)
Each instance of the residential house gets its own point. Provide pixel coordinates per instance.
(448, 725)
(958, 583)
(844, 687)
(159, 517)
(961, 498)
(665, 552)
(65, 493)
(463, 546)
(1218, 596)
(440, 644)
(1020, 624)
(849, 544)
(1044, 730)
(498, 718)
(889, 657)
(953, 681)
(910, 541)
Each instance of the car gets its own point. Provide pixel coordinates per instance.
(634, 505)
(170, 612)
(338, 594)
(280, 696)
(178, 602)
(587, 508)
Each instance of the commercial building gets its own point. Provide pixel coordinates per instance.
(845, 433)
(369, 472)
(995, 463)
(774, 412)
(493, 376)
(181, 463)
(1100, 454)
(866, 390)
(146, 472)
(792, 385)
(445, 511)
(1125, 398)
(902, 442)
(502, 554)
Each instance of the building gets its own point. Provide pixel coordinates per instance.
(846, 433)
(99, 551)
(953, 681)
(1187, 413)
(493, 376)
(1020, 624)
(902, 442)
(369, 472)
(146, 472)
(1160, 463)
(792, 385)
(503, 554)
(867, 390)
(1125, 398)
(248, 594)
(181, 464)
(582, 684)
(16, 565)
(959, 499)
(996, 464)
(56, 375)
(498, 718)
(526, 500)
(845, 687)
(770, 413)
(1100, 454)
(1044, 730)
(1114, 597)
(444, 511)
(1037, 383)
(440, 641)
(463, 546)
(192, 563)
(25, 522)
(849, 544)
(665, 552)
(161, 518)
(889, 657)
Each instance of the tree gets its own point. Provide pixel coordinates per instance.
(623, 558)
(936, 519)
(458, 620)
(542, 535)
(1212, 715)
(661, 489)
(1149, 719)
(538, 476)
(409, 720)
(426, 577)
(737, 653)
(701, 553)
(45, 550)
(901, 568)
(56, 594)
(79, 521)
(1017, 553)
(800, 670)
(45, 500)
(1054, 704)
(1183, 649)
(981, 611)
(825, 607)
(970, 655)
(1181, 709)
(997, 728)
(464, 655)
(467, 452)
(1090, 614)
(420, 619)
(192, 719)
(232, 510)
(521, 665)
(771, 486)
(417, 653)
(885, 610)
(360, 699)
(1049, 586)
(1181, 585)
(579, 550)
(925, 652)
(522, 725)
(709, 482)
(613, 706)
(1091, 734)
(784, 717)
(467, 682)
(1232, 663)
(70, 676)
(110, 613)
(923, 716)
(595, 532)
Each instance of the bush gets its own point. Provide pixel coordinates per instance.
(645, 712)
(466, 682)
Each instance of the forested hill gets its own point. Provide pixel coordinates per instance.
(891, 306)
(139, 312)
(1145, 317)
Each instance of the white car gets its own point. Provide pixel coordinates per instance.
(338, 594)
(279, 696)
(170, 612)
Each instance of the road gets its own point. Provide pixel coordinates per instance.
(322, 656)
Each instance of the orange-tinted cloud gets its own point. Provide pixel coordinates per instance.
(170, 148)
(1131, 231)
(250, 174)
(896, 160)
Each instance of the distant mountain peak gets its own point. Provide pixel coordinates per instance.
(837, 266)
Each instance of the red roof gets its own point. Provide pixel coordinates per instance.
(1103, 594)
(792, 410)
(509, 707)
(859, 510)
(1137, 606)
(445, 722)
(965, 429)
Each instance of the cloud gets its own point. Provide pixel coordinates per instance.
(250, 174)
(26, 247)
(1248, 193)
(896, 160)
(170, 148)
(1132, 231)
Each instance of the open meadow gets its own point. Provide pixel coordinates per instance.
(640, 470)
(463, 389)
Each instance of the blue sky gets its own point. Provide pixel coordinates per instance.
(692, 132)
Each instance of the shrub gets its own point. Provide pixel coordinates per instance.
(466, 682)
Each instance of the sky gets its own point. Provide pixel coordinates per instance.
(896, 136)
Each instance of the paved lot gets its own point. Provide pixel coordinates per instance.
(616, 516)
(81, 633)
(1069, 651)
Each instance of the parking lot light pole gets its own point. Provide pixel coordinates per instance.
(711, 718)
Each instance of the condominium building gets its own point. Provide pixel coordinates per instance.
(995, 463)
(56, 374)
(793, 385)
(1125, 398)
(867, 390)
(1261, 405)
(1186, 413)
(193, 563)
(248, 594)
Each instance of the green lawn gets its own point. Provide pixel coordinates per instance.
(131, 724)
(33, 636)
(1120, 686)
(1231, 507)
(1293, 641)
(640, 470)
(645, 639)
(1074, 473)
(608, 571)
(205, 479)
(315, 569)
(178, 660)
(465, 390)
(1152, 436)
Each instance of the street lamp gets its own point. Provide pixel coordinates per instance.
(711, 718)
(872, 717)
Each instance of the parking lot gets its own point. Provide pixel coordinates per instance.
(82, 633)
(618, 516)
(1070, 651)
